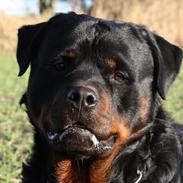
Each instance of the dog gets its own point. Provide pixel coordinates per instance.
(94, 100)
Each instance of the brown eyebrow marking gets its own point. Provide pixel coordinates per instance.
(111, 63)
(71, 53)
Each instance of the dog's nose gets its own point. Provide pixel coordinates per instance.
(82, 96)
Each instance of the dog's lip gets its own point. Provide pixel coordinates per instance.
(51, 135)
(102, 145)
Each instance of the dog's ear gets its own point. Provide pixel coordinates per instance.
(29, 38)
(167, 61)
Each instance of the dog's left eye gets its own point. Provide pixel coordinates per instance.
(119, 76)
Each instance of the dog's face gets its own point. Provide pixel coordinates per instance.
(93, 83)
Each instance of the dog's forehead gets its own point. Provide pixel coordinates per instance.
(112, 37)
(71, 31)
(69, 25)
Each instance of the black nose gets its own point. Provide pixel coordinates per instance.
(82, 96)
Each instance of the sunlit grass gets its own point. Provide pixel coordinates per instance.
(15, 131)
(174, 102)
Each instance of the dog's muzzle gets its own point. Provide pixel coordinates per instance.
(79, 142)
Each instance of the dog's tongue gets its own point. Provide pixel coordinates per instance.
(77, 141)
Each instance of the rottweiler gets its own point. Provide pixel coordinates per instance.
(94, 100)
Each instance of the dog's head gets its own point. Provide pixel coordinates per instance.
(93, 83)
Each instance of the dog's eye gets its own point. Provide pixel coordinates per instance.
(59, 66)
(119, 76)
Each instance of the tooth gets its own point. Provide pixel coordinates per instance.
(95, 141)
(51, 135)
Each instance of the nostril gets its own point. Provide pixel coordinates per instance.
(90, 100)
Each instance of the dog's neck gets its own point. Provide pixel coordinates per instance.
(93, 170)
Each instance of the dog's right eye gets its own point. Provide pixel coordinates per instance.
(63, 62)
(59, 66)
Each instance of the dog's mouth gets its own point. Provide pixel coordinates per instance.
(79, 142)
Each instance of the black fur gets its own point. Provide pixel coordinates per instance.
(69, 54)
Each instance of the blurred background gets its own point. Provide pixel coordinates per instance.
(164, 17)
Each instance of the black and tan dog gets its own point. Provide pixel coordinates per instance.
(93, 98)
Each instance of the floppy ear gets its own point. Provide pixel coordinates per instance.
(29, 38)
(167, 61)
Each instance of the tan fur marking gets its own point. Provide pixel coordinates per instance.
(144, 108)
(105, 103)
(64, 172)
(120, 127)
(111, 63)
(71, 53)
(100, 168)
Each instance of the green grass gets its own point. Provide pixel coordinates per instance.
(15, 131)
(174, 102)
